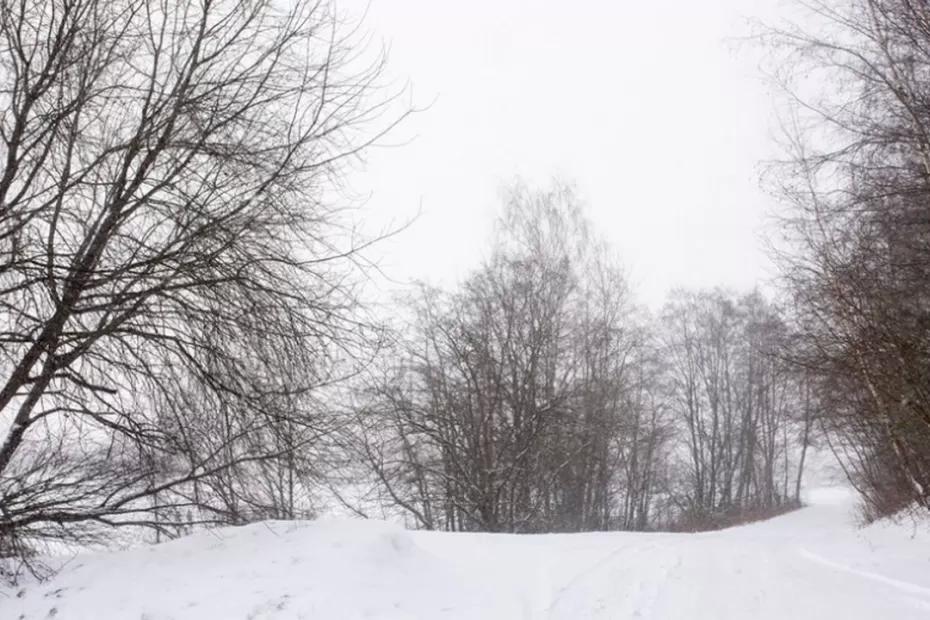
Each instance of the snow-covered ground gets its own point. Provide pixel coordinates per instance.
(813, 563)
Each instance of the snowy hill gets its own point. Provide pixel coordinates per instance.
(813, 563)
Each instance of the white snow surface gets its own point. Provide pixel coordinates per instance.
(812, 563)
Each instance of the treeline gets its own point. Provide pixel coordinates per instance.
(856, 257)
(536, 397)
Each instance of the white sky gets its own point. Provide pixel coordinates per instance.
(650, 108)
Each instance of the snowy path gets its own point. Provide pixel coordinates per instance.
(809, 564)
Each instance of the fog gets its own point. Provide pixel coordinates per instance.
(657, 112)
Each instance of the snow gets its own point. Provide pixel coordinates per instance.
(814, 563)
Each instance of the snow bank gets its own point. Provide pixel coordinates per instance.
(347, 569)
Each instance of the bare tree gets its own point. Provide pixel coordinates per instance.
(536, 397)
(736, 400)
(173, 277)
(522, 400)
(856, 254)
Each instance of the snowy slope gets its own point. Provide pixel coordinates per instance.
(809, 564)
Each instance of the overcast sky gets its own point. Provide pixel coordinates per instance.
(650, 108)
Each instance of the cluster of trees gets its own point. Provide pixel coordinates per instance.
(536, 397)
(857, 254)
(513, 403)
(745, 412)
(178, 318)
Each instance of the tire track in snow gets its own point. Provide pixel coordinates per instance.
(609, 587)
(579, 576)
(922, 592)
(644, 603)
